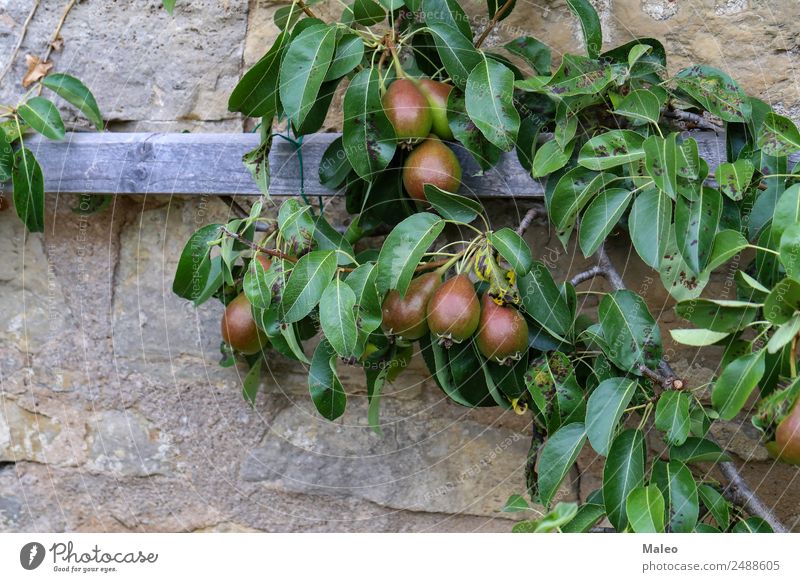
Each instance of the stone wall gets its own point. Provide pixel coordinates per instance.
(114, 415)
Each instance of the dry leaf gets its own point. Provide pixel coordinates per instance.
(37, 69)
(58, 43)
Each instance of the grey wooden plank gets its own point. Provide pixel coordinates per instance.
(210, 163)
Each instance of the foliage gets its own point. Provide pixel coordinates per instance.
(18, 164)
(617, 158)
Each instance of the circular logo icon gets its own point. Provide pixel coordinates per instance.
(31, 555)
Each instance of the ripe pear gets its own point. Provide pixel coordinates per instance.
(437, 94)
(431, 162)
(406, 317)
(454, 311)
(407, 110)
(265, 261)
(503, 332)
(239, 330)
(787, 437)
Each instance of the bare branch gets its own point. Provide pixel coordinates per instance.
(493, 22)
(526, 221)
(697, 120)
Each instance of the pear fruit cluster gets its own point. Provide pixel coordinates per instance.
(417, 109)
(452, 313)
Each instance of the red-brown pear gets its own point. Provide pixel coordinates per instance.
(239, 330)
(454, 310)
(431, 162)
(787, 437)
(407, 109)
(503, 332)
(407, 317)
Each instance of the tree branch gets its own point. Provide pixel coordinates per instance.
(693, 118)
(737, 491)
(57, 31)
(526, 221)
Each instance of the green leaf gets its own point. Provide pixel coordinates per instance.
(649, 222)
(696, 223)
(783, 335)
(457, 52)
(623, 472)
(778, 136)
(672, 416)
(362, 281)
(752, 525)
(698, 450)
(77, 94)
(787, 211)
(645, 510)
(452, 206)
(515, 503)
(257, 163)
(661, 161)
(349, 52)
(257, 93)
(494, 6)
(367, 134)
(257, 284)
(43, 116)
(542, 300)
(559, 453)
(296, 225)
(28, 190)
(590, 25)
(403, 249)
(577, 75)
(604, 410)
(587, 517)
(534, 52)
(337, 317)
(303, 70)
(489, 102)
(678, 278)
(194, 265)
(513, 248)
(169, 6)
(611, 149)
(368, 12)
(697, 337)
(716, 504)
(733, 179)
(550, 157)
(329, 239)
(334, 166)
(735, 384)
(715, 91)
(467, 133)
(6, 157)
(560, 515)
(601, 217)
(640, 105)
(727, 244)
(309, 278)
(323, 383)
(717, 315)
(447, 12)
(680, 491)
(572, 192)
(633, 335)
(252, 382)
(790, 251)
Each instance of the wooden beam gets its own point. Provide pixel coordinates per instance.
(210, 163)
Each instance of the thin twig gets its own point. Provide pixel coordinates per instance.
(693, 118)
(737, 491)
(57, 31)
(589, 273)
(22, 33)
(526, 221)
(306, 9)
(257, 247)
(493, 22)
